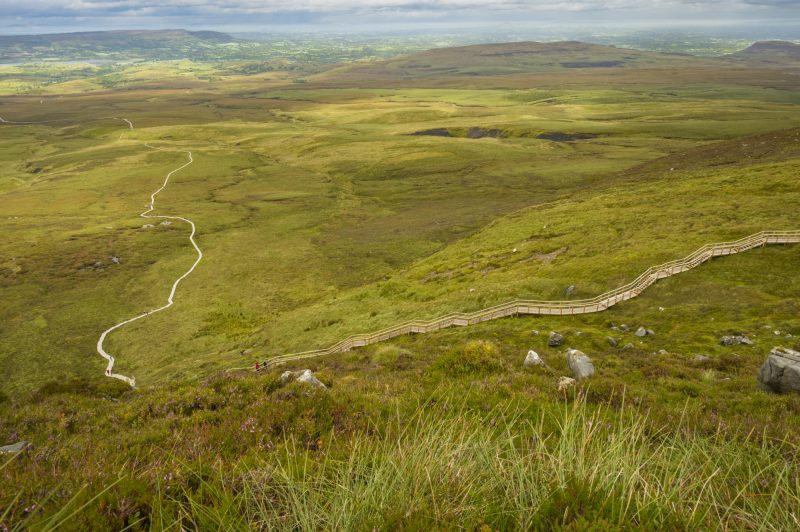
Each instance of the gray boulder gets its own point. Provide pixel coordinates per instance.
(641, 332)
(305, 376)
(628, 346)
(781, 371)
(735, 339)
(580, 365)
(612, 341)
(14, 447)
(533, 360)
(555, 339)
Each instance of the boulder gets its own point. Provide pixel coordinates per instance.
(641, 332)
(628, 346)
(580, 365)
(305, 376)
(781, 371)
(735, 340)
(533, 360)
(555, 339)
(565, 383)
(15, 447)
(612, 341)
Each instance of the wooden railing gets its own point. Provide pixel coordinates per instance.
(559, 308)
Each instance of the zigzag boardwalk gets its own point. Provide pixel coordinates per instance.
(560, 308)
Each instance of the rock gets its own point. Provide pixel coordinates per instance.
(662, 352)
(15, 447)
(555, 339)
(624, 328)
(535, 332)
(165, 222)
(615, 328)
(246, 352)
(568, 291)
(305, 376)
(781, 371)
(578, 333)
(533, 360)
(115, 260)
(641, 332)
(735, 340)
(580, 364)
(565, 383)
(650, 332)
(661, 309)
(627, 346)
(701, 359)
(612, 341)
(148, 226)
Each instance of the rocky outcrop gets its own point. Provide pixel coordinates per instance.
(580, 365)
(781, 371)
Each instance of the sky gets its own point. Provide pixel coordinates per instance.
(43, 16)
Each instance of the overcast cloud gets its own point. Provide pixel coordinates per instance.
(16, 16)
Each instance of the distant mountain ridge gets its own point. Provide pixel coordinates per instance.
(114, 45)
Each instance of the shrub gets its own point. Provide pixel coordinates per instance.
(478, 357)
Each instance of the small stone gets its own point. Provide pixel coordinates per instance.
(613, 341)
(650, 332)
(615, 328)
(555, 339)
(148, 226)
(565, 383)
(578, 333)
(628, 346)
(662, 352)
(15, 447)
(533, 360)
(115, 260)
(166, 222)
(535, 332)
(701, 359)
(735, 340)
(580, 364)
(569, 290)
(624, 328)
(641, 332)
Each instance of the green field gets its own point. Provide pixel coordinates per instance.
(323, 212)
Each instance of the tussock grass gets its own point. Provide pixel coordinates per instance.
(571, 468)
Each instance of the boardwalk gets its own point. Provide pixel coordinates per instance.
(558, 308)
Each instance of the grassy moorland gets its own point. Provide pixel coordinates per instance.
(344, 201)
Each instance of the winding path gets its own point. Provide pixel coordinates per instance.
(146, 214)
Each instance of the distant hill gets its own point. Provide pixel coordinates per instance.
(771, 51)
(112, 45)
(510, 59)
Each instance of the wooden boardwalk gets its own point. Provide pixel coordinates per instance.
(558, 308)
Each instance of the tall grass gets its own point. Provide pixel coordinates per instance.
(573, 468)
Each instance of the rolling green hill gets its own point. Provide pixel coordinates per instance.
(346, 201)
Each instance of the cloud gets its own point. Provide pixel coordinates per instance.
(209, 12)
